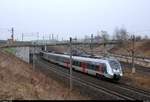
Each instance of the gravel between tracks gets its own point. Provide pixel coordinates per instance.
(112, 86)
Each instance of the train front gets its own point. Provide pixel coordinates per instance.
(116, 70)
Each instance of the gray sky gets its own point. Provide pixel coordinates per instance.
(73, 17)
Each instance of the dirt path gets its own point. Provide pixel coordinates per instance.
(19, 81)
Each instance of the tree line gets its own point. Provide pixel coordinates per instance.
(120, 35)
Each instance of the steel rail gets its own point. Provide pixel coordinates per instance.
(143, 94)
(89, 84)
(131, 89)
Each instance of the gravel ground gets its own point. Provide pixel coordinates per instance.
(19, 81)
(139, 80)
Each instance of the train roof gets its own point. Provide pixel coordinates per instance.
(92, 60)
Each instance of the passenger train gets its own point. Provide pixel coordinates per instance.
(101, 68)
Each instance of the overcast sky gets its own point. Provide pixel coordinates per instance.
(73, 17)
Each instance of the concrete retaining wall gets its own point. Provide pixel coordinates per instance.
(25, 53)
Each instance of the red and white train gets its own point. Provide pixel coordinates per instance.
(107, 67)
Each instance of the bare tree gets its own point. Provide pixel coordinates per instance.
(145, 37)
(86, 38)
(104, 36)
(138, 38)
(97, 38)
(121, 34)
(116, 34)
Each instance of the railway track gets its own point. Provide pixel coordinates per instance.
(119, 90)
(88, 84)
(139, 69)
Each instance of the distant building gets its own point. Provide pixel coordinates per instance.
(3, 41)
(10, 41)
(97, 39)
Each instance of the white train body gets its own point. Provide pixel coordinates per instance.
(108, 68)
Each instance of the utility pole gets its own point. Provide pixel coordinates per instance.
(76, 46)
(49, 36)
(12, 33)
(44, 41)
(37, 37)
(105, 51)
(34, 58)
(52, 37)
(133, 52)
(70, 64)
(91, 44)
(57, 37)
(22, 36)
(43, 38)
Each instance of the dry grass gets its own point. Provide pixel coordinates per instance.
(141, 48)
(138, 79)
(19, 81)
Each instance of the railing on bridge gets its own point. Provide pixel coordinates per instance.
(30, 44)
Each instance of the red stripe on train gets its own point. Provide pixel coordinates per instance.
(67, 64)
(84, 66)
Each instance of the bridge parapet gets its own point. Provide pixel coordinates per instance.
(29, 44)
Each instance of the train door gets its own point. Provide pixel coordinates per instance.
(84, 67)
(101, 70)
(66, 62)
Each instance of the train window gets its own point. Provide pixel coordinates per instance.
(52, 57)
(55, 58)
(88, 65)
(60, 59)
(96, 67)
(91, 66)
(104, 68)
(79, 63)
(63, 60)
(74, 62)
(41, 54)
(114, 64)
(49, 56)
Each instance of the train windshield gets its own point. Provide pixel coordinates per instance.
(114, 64)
